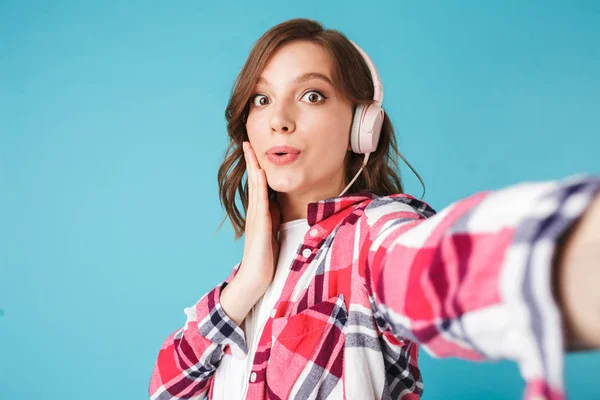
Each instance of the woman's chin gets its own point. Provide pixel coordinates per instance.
(287, 189)
(284, 183)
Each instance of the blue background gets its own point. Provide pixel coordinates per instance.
(112, 130)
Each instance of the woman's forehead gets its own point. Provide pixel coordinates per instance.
(302, 78)
(297, 62)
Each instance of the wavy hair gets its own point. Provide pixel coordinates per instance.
(350, 76)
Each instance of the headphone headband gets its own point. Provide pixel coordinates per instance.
(377, 86)
(367, 120)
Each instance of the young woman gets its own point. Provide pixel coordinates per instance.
(344, 276)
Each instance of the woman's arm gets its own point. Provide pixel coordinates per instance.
(189, 357)
(475, 280)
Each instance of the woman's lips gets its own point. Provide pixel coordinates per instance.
(283, 159)
(282, 154)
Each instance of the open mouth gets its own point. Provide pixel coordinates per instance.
(282, 158)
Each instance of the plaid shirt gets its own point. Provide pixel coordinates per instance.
(387, 275)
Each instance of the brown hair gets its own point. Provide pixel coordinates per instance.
(351, 77)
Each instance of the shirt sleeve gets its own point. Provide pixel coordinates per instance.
(474, 281)
(189, 357)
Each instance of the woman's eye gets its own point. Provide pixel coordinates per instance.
(260, 100)
(314, 96)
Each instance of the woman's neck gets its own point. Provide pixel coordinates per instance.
(294, 206)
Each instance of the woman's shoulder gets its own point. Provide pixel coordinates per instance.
(397, 203)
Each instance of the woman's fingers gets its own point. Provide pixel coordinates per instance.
(250, 181)
(252, 175)
(252, 157)
(260, 246)
(260, 181)
(262, 193)
(248, 163)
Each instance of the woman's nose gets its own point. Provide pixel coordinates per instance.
(282, 120)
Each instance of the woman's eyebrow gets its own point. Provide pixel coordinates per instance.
(302, 78)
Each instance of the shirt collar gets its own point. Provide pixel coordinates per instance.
(323, 209)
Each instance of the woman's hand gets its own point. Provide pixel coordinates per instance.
(577, 275)
(261, 245)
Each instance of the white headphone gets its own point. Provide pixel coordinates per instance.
(367, 120)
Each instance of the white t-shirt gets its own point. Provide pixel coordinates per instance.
(233, 374)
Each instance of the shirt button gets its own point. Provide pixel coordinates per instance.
(306, 253)
(314, 232)
(253, 377)
(273, 313)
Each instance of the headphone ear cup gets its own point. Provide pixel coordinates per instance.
(366, 128)
(355, 129)
(370, 128)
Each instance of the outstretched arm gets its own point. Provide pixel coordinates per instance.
(475, 280)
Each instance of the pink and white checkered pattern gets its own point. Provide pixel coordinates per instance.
(387, 275)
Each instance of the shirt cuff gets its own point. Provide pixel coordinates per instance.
(219, 328)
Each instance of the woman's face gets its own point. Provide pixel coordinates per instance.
(295, 104)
